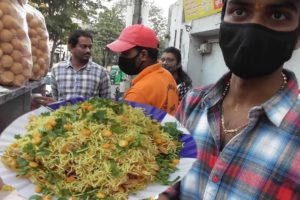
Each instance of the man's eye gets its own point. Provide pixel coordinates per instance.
(239, 12)
(279, 16)
(85, 46)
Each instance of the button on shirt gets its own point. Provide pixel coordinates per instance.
(90, 81)
(261, 162)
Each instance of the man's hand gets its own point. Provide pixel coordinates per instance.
(37, 101)
(163, 197)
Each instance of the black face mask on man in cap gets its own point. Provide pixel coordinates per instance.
(128, 66)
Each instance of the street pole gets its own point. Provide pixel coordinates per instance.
(137, 12)
(136, 19)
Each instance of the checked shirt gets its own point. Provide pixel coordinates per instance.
(89, 81)
(261, 162)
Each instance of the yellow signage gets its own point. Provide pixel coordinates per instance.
(195, 9)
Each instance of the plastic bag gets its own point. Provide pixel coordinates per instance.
(15, 48)
(39, 42)
(23, 1)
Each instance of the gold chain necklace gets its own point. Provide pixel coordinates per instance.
(228, 131)
(236, 130)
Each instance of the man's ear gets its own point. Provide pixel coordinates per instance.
(69, 47)
(144, 54)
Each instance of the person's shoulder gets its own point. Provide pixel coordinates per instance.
(97, 66)
(94, 64)
(202, 89)
(161, 74)
(197, 94)
(63, 63)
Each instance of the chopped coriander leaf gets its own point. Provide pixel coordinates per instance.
(115, 171)
(117, 129)
(99, 115)
(45, 114)
(45, 190)
(64, 193)
(171, 128)
(17, 136)
(29, 149)
(52, 177)
(75, 107)
(63, 198)
(23, 166)
(118, 109)
(36, 197)
(163, 162)
(43, 152)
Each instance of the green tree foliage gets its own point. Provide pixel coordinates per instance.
(158, 23)
(107, 28)
(60, 15)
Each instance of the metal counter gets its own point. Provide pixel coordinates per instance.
(15, 101)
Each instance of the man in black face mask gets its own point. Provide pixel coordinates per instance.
(153, 85)
(247, 125)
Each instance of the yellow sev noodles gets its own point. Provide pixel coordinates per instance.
(96, 149)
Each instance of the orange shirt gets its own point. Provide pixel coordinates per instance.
(154, 86)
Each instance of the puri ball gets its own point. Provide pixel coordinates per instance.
(36, 68)
(7, 48)
(6, 35)
(7, 77)
(43, 45)
(1, 13)
(16, 55)
(5, 8)
(21, 33)
(17, 44)
(6, 61)
(33, 23)
(9, 22)
(17, 68)
(32, 33)
(41, 61)
(19, 80)
(1, 25)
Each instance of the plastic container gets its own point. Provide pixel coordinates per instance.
(15, 48)
(39, 37)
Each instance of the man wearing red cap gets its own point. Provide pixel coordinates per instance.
(153, 85)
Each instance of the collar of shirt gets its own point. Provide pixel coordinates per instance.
(147, 71)
(275, 108)
(87, 66)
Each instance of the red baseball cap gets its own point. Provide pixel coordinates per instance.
(134, 35)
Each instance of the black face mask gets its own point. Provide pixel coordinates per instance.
(127, 65)
(252, 50)
(172, 70)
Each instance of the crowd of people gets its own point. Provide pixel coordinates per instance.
(246, 125)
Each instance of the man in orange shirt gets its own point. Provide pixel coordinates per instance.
(153, 85)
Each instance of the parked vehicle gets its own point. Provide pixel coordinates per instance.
(48, 91)
(116, 75)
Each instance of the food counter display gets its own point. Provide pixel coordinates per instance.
(15, 101)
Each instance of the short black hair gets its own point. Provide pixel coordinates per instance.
(153, 53)
(73, 38)
(175, 52)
